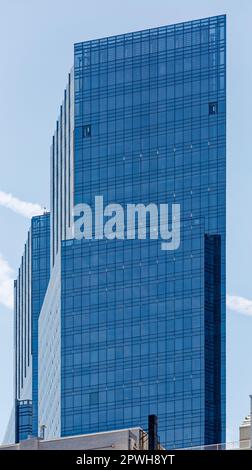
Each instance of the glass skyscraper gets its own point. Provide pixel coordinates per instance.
(128, 329)
(29, 291)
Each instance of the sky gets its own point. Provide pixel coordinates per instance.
(36, 53)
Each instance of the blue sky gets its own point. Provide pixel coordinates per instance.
(36, 51)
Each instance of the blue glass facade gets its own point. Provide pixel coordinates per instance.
(61, 191)
(40, 273)
(143, 330)
(23, 420)
(117, 330)
(29, 291)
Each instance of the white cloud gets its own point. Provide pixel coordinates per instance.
(6, 283)
(239, 304)
(27, 209)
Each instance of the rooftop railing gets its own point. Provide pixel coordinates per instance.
(235, 445)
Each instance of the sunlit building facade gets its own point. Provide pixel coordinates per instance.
(127, 329)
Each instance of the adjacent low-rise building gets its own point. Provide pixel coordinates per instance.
(124, 439)
(245, 433)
